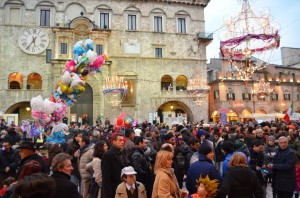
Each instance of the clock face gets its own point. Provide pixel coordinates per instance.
(33, 40)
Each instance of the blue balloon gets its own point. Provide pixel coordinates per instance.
(35, 131)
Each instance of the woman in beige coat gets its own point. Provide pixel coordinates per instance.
(95, 165)
(165, 184)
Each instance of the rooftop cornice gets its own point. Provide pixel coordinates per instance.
(202, 3)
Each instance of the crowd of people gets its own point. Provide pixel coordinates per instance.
(236, 160)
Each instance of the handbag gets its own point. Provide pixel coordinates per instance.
(94, 188)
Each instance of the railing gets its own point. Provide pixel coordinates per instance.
(174, 94)
(16, 95)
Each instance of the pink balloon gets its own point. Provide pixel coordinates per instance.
(99, 61)
(70, 66)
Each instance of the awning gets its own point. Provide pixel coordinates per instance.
(259, 116)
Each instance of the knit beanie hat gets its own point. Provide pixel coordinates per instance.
(200, 133)
(204, 149)
(271, 137)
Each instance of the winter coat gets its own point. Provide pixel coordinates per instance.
(25, 164)
(189, 154)
(9, 159)
(298, 177)
(202, 168)
(140, 165)
(129, 146)
(95, 166)
(240, 182)
(111, 167)
(180, 160)
(86, 157)
(122, 193)
(219, 156)
(225, 163)
(269, 153)
(297, 146)
(284, 175)
(194, 158)
(257, 159)
(165, 185)
(64, 187)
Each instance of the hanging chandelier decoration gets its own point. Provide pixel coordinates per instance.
(262, 88)
(115, 90)
(198, 90)
(248, 40)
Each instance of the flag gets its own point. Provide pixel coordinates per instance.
(288, 114)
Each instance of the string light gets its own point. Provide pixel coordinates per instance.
(198, 89)
(262, 88)
(247, 36)
(115, 90)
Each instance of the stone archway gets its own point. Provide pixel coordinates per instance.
(215, 117)
(261, 111)
(22, 109)
(175, 112)
(84, 104)
(232, 116)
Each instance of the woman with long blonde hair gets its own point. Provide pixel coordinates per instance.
(165, 184)
(240, 181)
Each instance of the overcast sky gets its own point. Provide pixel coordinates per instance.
(285, 13)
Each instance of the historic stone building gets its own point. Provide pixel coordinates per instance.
(157, 46)
(237, 99)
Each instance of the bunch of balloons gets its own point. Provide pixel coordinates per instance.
(85, 62)
(70, 87)
(120, 122)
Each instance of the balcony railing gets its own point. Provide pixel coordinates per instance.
(16, 95)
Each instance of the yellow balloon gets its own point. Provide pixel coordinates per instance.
(63, 87)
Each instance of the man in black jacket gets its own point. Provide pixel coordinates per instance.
(257, 161)
(9, 160)
(62, 168)
(140, 164)
(28, 159)
(284, 174)
(112, 163)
